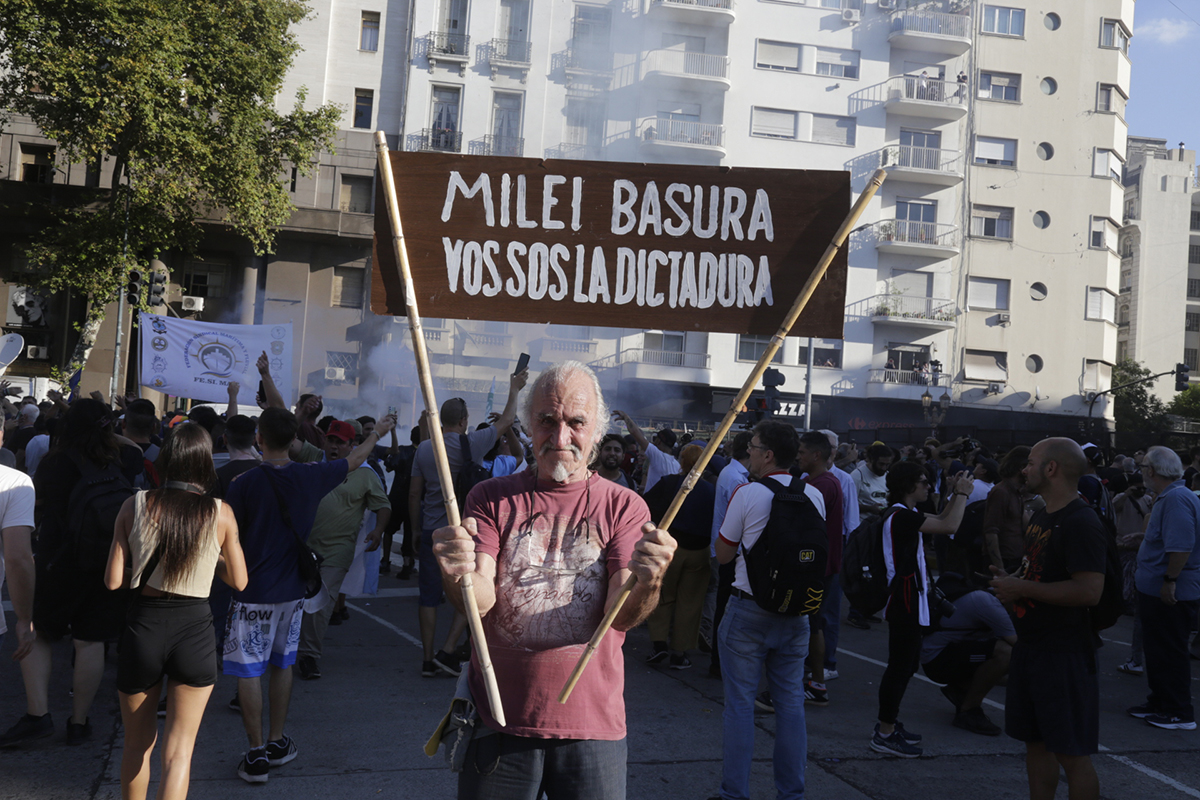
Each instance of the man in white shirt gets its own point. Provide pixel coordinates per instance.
(752, 637)
(870, 478)
(734, 474)
(659, 461)
(832, 608)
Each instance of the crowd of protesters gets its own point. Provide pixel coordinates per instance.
(994, 560)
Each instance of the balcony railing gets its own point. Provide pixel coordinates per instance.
(454, 45)
(504, 145)
(705, 134)
(932, 23)
(588, 58)
(442, 140)
(677, 62)
(659, 358)
(722, 5)
(929, 90)
(903, 306)
(907, 156)
(908, 377)
(902, 231)
(575, 152)
(510, 51)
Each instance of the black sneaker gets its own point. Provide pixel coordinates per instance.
(463, 652)
(28, 729)
(405, 572)
(763, 703)
(1171, 722)
(384, 568)
(815, 693)
(235, 704)
(858, 621)
(428, 669)
(307, 669)
(78, 733)
(907, 735)
(660, 654)
(1142, 711)
(281, 752)
(447, 663)
(975, 721)
(680, 661)
(893, 745)
(255, 768)
(335, 618)
(345, 614)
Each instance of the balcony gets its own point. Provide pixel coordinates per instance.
(588, 60)
(899, 384)
(442, 140)
(504, 145)
(575, 152)
(699, 12)
(934, 313)
(931, 32)
(451, 48)
(658, 365)
(511, 53)
(929, 98)
(903, 237)
(687, 70)
(666, 135)
(926, 165)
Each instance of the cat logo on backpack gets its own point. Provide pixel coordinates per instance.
(806, 556)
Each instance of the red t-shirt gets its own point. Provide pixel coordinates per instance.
(555, 549)
(831, 489)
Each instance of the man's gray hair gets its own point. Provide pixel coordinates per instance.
(559, 374)
(831, 436)
(1165, 462)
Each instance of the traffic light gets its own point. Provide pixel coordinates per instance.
(772, 380)
(133, 289)
(158, 289)
(1181, 377)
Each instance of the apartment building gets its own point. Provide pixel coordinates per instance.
(989, 258)
(1158, 308)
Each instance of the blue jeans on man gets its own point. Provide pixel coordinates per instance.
(751, 638)
(831, 610)
(501, 766)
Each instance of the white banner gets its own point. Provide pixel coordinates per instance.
(186, 358)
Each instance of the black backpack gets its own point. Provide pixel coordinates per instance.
(92, 511)
(471, 473)
(968, 541)
(1105, 613)
(786, 565)
(864, 573)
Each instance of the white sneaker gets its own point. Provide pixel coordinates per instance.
(1130, 668)
(831, 675)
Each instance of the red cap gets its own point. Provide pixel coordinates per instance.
(340, 430)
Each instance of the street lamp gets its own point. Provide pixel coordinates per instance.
(934, 415)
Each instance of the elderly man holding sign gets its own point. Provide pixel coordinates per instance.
(548, 550)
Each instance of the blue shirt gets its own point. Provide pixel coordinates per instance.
(733, 476)
(1174, 527)
(272, 555)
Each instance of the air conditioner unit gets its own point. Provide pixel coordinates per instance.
(851, 15)
(1004, 318)
(335, 374)
(887, 5)
(995, 388)
(193, 303)
(37, 352)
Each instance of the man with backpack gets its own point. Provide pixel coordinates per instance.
(427, 512)
(752, 636)
(1053, 702)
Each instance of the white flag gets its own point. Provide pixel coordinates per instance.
(186, 358)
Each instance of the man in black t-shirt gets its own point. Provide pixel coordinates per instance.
(1053, 702)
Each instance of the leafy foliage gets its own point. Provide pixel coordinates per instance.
(1134, 407)
(1186, 403)
(180, 98)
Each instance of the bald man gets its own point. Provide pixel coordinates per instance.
(1053, 702)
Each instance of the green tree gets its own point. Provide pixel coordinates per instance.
(179, 97)
(1186, 403)
(1134, 407)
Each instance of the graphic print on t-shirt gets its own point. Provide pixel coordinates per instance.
(552, 583)
(1037, 537)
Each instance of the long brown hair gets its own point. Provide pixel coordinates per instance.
(182, 516)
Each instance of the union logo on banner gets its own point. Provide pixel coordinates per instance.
(221, 355)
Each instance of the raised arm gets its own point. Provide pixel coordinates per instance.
(360, 454)
(231, 410)
(515, 384)
(270, 390)
(632, 427)
(951, 517)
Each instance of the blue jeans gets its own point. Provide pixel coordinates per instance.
(506, 767)
(831, 610)
(752, 637)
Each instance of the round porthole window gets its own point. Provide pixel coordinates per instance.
(1038, 291)
(1041, 219)
(1053, 21)
(1045, 151)
(1034, 364)
(1049, 86)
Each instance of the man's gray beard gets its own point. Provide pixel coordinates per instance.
(560, 473)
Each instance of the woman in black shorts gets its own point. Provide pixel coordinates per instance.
(170, 542)
(907, 610)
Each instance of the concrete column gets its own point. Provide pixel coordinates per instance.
(249, 289)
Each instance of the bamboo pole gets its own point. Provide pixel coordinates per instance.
(734, 408)
(435, 430)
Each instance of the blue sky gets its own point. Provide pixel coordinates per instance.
(1164, 100)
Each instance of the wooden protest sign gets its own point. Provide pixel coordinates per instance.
(611, 244)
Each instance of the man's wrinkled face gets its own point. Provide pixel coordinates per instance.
(565, 429)
(612, 455)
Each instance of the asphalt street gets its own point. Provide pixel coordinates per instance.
(361, 728)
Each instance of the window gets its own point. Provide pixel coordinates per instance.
(356, 194)
(506, 125)
(773, 123)
(590, 34)
(444, 112)
(1191, 321)
(1194, 253)
(1104, 233)
(204, 279)
(995, 152)
(1097, 375)
(1195, 221)
(1106, 164)
(1193, 287)
(778, 55)
(348, 283)
(1101, 304)
(751, 348)
(346, 362)
(1122, 317)
(828, 129)
(452, 19)
(991, 222)
(838, 63)
(906, 356)
(585, 125)
(827, 353)
(1004, 21)
(1122, 351)
(987, 294)
(999, 86)
(37, 164)
(1113, 34)
(1110, 99)
(668, 341)
(368, 38)
(1189, 357)
(985, 365)
(364, 104)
